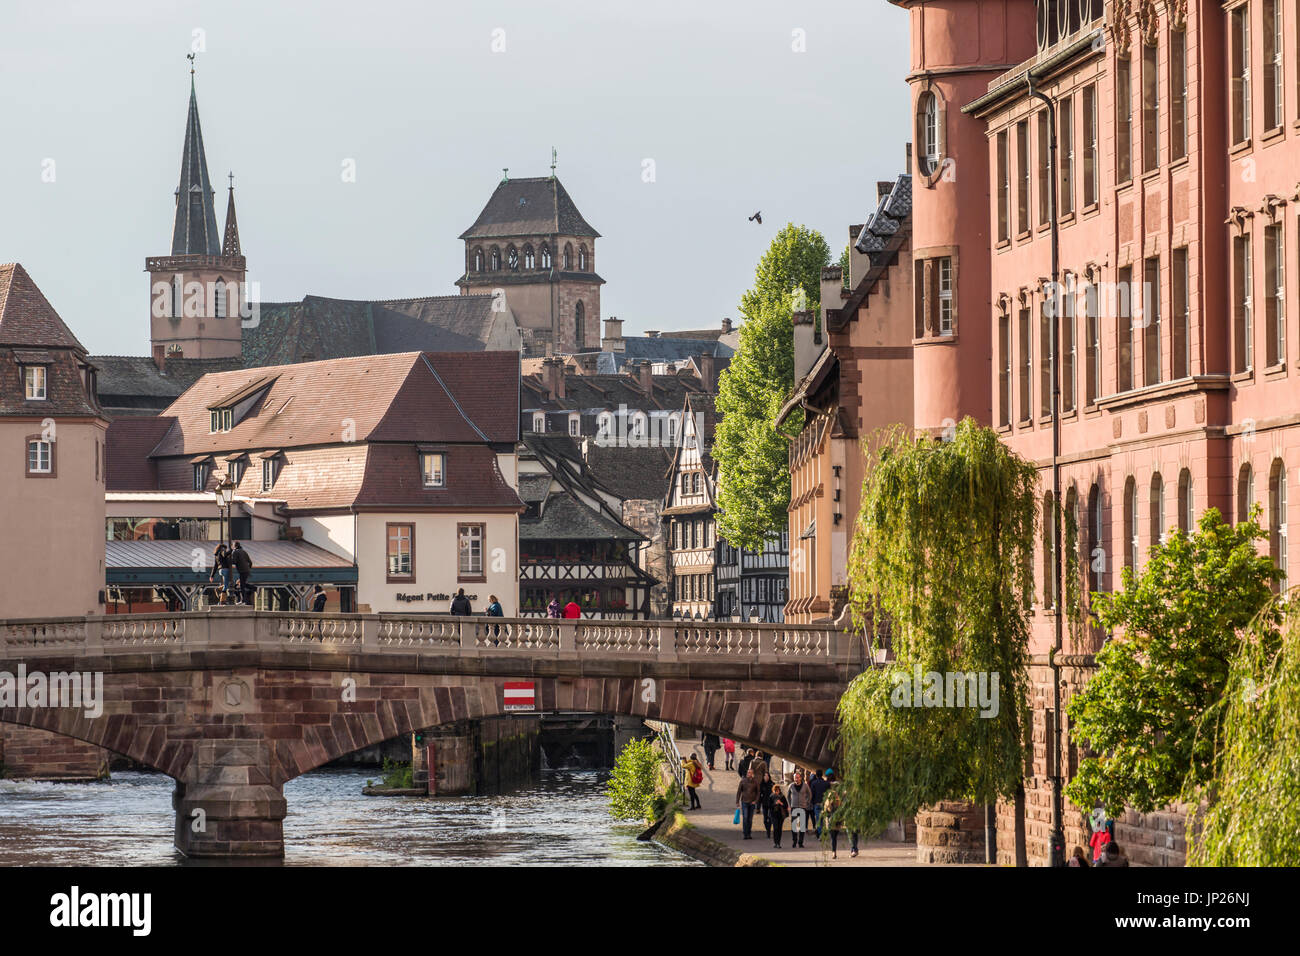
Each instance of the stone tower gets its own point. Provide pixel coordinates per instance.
(195, 293)
(531, 247)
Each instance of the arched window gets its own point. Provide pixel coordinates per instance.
(546, 257)
(582, 258)
(512, 258)
(478, 260)
(495, 256)
(1245, 492)
(1049, 553)
(178, 289)
(1072, 514)
(1131, 525)
(1186, 502)
(579, 321)
(1096, 549)
(1277, 536)
(568, 257)
(219, 299)
(530, 261)
(1157, 510)
(928, 133)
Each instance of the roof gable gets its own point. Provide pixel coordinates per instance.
(26, 316)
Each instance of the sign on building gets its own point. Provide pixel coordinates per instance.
(519, 695)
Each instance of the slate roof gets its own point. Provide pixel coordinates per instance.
(630, 473)
(589, 393)
(527, 207)
(562, 493)
(661, 349)
(195, 230)
(886, 220)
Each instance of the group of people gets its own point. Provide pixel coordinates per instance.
(1107, 853)
(460, 605)
(570, 611)
(228, 562)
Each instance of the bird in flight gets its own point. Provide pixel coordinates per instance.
(757, 217)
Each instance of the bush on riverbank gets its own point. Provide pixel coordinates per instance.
(398, 775)
(631, 789)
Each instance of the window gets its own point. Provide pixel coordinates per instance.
(478, 260)
(496, 258)
(1123, 119)
(236, 470)
(1275, 293)
(401, 552)
(1091, 184)
(1065, 154)
(1068, 349)
(582, 258)
(1273, 98)
(539, 421)
(1157, 510)
(530, 260)
(1093, 374)
(40, 456)
(928, 114)
(201, 476)
(219, 299)
(1245, 492)
(1131, 525)
(1181, 316)
(1151, 331)
(270, 466)
(1044, 170)
(1186, 502)
(579, 320)
(1150, 109)
(1124, 323)
(686, 483)
(178, 296)
(1004, 189)
(1045, 357)
(575, 425)
(1096, 549)
(1277, 535)
(698, 481)
(1239, 71)
(1049, 553)
(512, 258)
(1004, 367)
(1026, 364)
(1022, 176)
(433, 469)
(945, 295)
(469, 548)
(1177, 94)
(568, 257)
(546, 257)
(1243, 305)
(34, 380)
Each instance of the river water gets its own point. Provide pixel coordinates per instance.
(560, 821)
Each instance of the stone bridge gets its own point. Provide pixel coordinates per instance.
(232, 703)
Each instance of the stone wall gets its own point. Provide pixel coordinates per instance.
(479, 757)
(27, 752)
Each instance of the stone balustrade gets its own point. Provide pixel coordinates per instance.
(237, 628)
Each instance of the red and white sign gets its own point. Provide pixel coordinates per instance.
(520, 695)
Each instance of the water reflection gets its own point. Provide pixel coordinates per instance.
(128, 821)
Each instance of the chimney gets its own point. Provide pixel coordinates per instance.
(160, 358)
(708, 374)
(726, 326)
(645, 377)
(553, 376)
(908, 161)
(613, 338)
(651, 334)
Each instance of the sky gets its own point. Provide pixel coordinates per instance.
(673, 121)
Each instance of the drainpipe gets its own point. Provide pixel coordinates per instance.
(1058, 829)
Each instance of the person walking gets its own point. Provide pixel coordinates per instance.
(800, 797)
(832, 809)
(765, 800)
(759, 766)
(460, 603)
(817, 783)
(494, 607)
(711, 746)
(729, 751)
(244, 565)
(780, 809)
(747, 800)
(318, 599)
(221, 568)
(1111, 855)
(742, 768)
(694, 777)
(553, 609)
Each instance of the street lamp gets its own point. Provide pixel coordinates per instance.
(225, 494)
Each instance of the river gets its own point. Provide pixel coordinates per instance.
(560, 821)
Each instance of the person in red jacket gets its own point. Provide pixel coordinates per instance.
(571, 610)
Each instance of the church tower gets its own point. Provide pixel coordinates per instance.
(531, 247)
(196, 292)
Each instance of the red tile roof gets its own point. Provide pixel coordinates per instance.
(130, 440)
(26, 316)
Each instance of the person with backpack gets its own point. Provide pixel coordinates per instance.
(460, 603)
(779, 810)
(221, 566)
(694, 777)
(244, 565)
(743, 767)
(832, 808)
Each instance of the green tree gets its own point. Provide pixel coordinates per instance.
(845, 263)
(1253, 812)
(752, 457)
(1175, 630)
(631, 789)
(941, 555)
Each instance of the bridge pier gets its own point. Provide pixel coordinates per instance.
(228, 807)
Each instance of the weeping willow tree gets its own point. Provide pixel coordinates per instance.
(943, 552)
(1249, 813)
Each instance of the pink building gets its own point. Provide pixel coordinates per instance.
(1176, 215)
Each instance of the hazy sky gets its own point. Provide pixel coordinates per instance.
(711, 90)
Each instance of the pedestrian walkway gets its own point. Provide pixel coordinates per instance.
(714, 819)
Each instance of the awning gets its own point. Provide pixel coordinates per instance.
(158, 563)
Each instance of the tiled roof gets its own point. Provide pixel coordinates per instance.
(565, 518)
(660, 349)
(26, 316)
(631, 473)
(529, 207)
(123, 378)
(456, 397)
(891, 211)
(128, 466)
(393, 478)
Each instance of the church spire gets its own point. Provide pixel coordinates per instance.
(195, 232)
(230, 246)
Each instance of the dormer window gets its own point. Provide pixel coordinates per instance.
(433, 467)
(236, 469)
(268, 473)
(202, 471)
(34, 378)
(575, 425)
(223, 419)
(539, 421)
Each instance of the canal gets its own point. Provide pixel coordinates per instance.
(559, 821)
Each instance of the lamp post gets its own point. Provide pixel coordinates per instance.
(225, 493)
